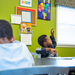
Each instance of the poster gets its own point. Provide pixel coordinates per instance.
(44, 9)
(26, 28)
(27, 3)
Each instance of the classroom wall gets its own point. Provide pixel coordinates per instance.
(7, 7)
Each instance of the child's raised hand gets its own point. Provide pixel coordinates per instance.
(52, 32)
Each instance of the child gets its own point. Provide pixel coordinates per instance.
(13, 54)
(47, 49)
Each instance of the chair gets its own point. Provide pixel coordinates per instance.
(35, 55)
(37, 70)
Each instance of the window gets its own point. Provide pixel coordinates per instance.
(65, 26)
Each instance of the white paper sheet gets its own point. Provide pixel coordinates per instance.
(27, 3)
(26, 16)
(15, 19)
(61, 58)
(26, 39)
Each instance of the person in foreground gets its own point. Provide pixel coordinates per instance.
(13, 54)
(48, 46)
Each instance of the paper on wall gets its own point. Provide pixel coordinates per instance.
(27, 3)
(15, 19)
(26, 39)
(26, 16)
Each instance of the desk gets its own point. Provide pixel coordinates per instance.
(55, 62)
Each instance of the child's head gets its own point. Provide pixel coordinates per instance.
(44, 41)
(6, 32)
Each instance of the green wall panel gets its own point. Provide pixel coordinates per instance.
(7, 7)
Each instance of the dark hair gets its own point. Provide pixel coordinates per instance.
(42, 39)
(5, 29)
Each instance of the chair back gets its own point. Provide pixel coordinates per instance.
(35, 55)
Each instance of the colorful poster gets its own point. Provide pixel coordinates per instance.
(26, 28)
(27, 3)
(44, 9)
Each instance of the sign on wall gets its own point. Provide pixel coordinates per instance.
(27, 3)
(44, 9)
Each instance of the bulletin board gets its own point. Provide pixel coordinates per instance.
(33, 13)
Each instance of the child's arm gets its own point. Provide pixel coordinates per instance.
(52, 50)
(52, 38)
(44, 50)
(53, 42)
(52, 32)
(41, 50)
